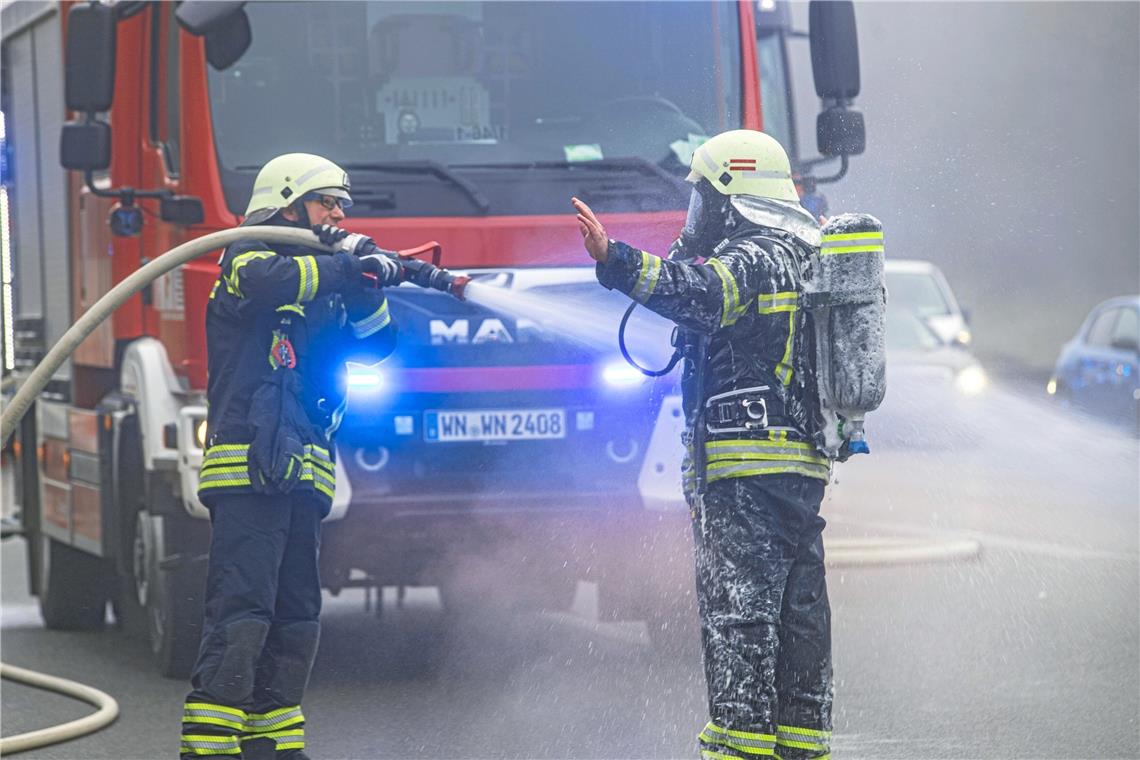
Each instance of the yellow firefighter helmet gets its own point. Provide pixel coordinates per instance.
(286, 178)
(745, 162)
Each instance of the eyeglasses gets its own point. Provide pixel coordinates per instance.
(329, 202)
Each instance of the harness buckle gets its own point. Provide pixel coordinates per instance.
(756, 410)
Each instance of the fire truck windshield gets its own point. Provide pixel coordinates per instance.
(473, 84)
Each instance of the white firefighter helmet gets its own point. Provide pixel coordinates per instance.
(745, 162)
(286, 178)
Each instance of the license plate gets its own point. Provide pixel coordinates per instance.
(495, 425)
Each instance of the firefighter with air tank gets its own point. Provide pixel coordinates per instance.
(758, 303)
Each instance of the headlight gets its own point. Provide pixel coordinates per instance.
(618, 374)
(1051, 386)
(200, 433)
(963, 337)
(971, 381)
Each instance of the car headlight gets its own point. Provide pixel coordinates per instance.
(200, 433)
(971, 381)
(1051, 386)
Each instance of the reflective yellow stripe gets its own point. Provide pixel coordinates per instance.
(872, 235)
(803, 738)
(310, 278)
(293, 307)
(732, 308)
(647, 278)
(725, 470)
(373, 323)
(215, 708)
(227, 448)
(747, 742)
(261, 723)
(233, 282)
(209, 744)
(852, 242)
(852, 249)
(214, 290)
(784, 368)
(770, 303)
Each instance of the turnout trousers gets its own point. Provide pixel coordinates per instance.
(765, 618)
(261, 628)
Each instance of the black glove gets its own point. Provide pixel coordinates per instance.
(358, 245)
(387, 270)
(328, 234)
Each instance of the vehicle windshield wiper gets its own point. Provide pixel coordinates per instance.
(428, 167)
(626, 164)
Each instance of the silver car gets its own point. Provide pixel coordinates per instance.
(921, 288)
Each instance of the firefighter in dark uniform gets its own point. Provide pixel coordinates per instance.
(280, 323)
(753, 477)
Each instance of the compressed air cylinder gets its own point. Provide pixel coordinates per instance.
(851, 336)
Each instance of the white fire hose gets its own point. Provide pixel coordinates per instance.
(30, 389)
(108, 711)
(118, 295)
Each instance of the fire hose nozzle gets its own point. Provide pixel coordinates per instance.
(458, 286)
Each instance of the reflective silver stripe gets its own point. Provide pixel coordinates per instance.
(773, 302)
(647, 279)
(723, 470)
(745, 741)
(703, 154)
(766, 174)
(310, 277)
(373, 323)
(852, 242)
(222, 481)
(202, 712)
(261, 190)
(286, 716)
(206, 741)
(769, 451)
(310, 174)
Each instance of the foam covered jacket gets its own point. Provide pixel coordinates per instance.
(745, 299)
(280, 324)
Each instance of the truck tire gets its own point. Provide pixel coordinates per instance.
(74, 587)
(128, 603)
(174, 594)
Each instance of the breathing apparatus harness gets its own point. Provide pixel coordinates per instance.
(749, 407)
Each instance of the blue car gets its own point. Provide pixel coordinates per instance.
(1097, 370)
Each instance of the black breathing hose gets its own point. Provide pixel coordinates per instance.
(676, 357)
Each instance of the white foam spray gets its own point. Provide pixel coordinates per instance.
(586, 321)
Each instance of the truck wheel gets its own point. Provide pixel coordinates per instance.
(128, 604)
(173, 602)
(74, 587)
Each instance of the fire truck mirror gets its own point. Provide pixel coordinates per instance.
(224, 25)
(840, 132)
(182, 209)
(85, 146)
(89, 78)
(834, 50)
(226, 44)
(201, 17)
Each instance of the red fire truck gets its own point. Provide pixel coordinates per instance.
(488, 457)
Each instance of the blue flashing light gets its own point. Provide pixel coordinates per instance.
(363, 377)
(618, 374)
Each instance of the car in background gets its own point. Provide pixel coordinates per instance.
(1097, 371)
(921, 288)
(933, 388)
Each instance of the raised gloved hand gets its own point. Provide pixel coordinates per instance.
(328, 234)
